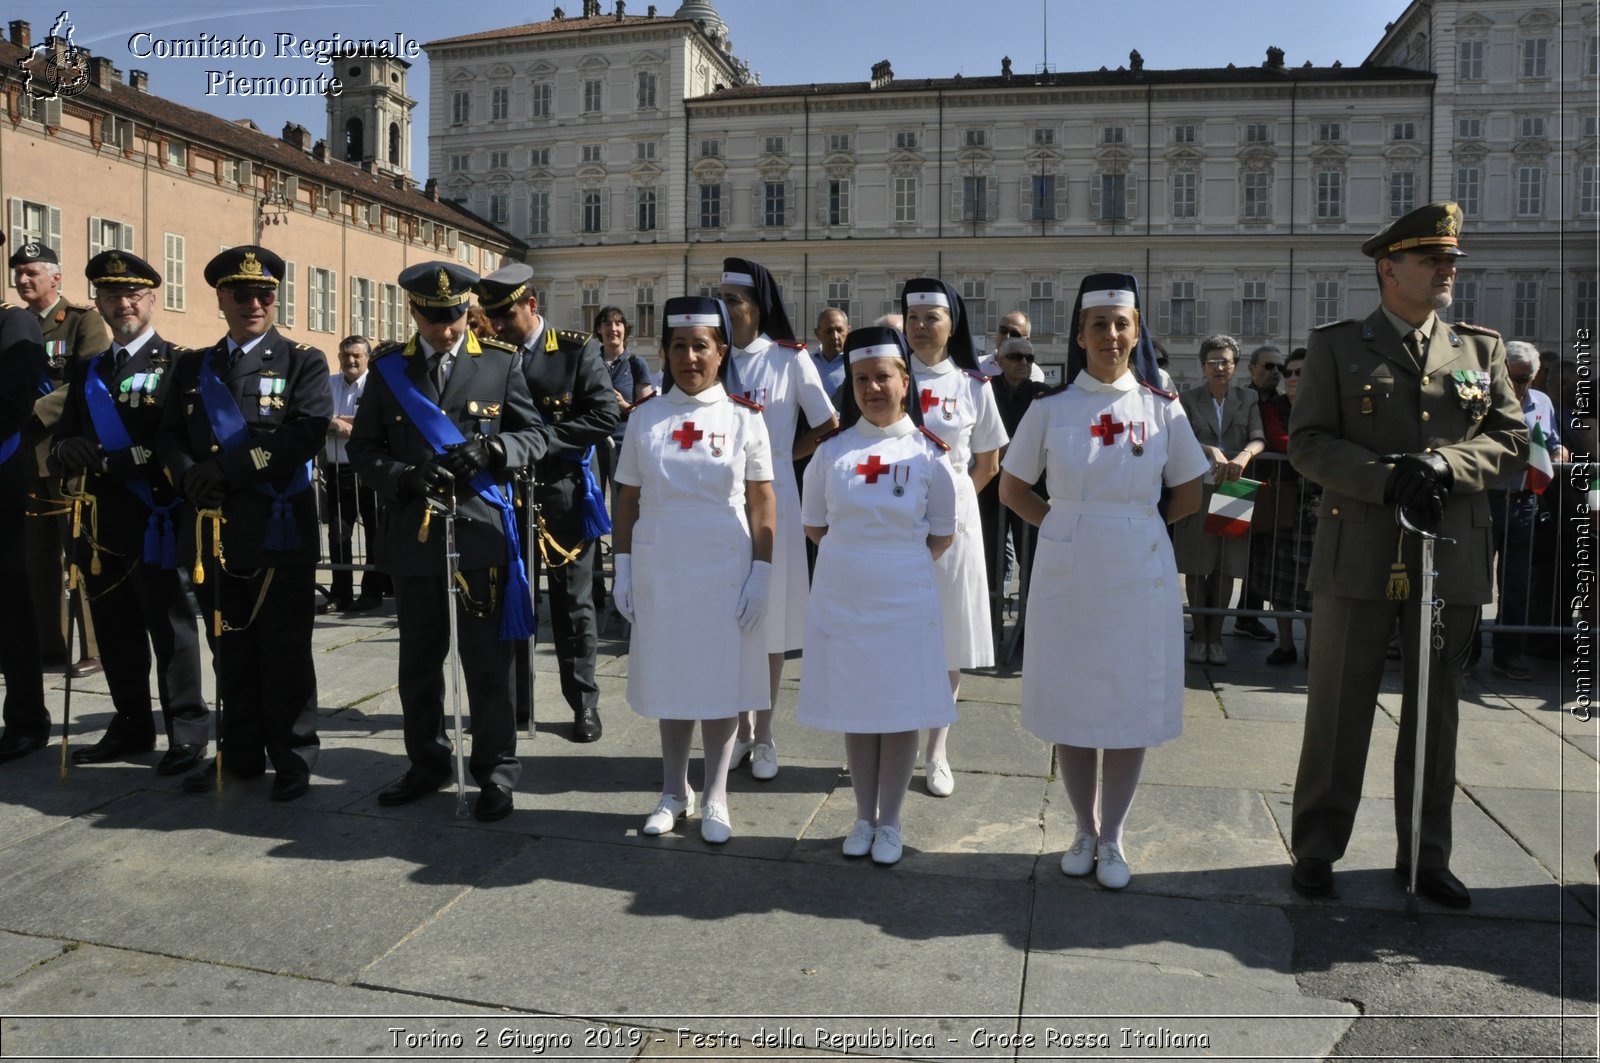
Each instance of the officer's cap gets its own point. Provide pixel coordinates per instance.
(438, 290)
(508, 284)
(1431, 230)
(119, 269)
(245, 266)
(34, 251)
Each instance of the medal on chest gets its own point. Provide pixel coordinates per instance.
(269, 390)
(949, 407)
(1137, 432)
(718, 441)
(1472, 391)
(902, 476)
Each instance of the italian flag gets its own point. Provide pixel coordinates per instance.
(1540, 471)
(1231, 506)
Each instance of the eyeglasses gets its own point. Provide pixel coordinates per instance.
(264, 296)
(1219, 363)
(1023, 358)
(1271, 367)
(1521, 378)
(1291, 372)
(114, 297)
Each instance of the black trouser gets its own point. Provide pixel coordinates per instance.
(136, 607)
(266, 682)
(486, 668)
(46, 533)
(994, 552)
(24, 713)
(572, 614)
(347, 500)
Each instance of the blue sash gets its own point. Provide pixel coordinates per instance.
(517, 618)
(227, 424)
(9, 446)
(592, 506)
(160, 540)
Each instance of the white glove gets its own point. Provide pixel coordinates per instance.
(622, 586)
(753, 599)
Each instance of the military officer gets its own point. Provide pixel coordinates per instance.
(448, 414)
(1398, 409)
(128, 555)
(23, 374)
(72, 334)
(572, 390)
(237, 438)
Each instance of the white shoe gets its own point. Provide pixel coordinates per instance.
(1079, 860)
(941, 783)
(1109, 867)
(886, 846)
(764, 761)
(668, 811)
(859, 841)
(1215, 654)
(741, 749)
(714, 825)
(1196, 653)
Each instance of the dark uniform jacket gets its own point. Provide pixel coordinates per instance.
(485, 395)
(1361, 396)
(572, 389)
(283, 436)
(121, 516)
(22, 366)
(72, 335)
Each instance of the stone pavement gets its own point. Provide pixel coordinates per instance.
(140, 922)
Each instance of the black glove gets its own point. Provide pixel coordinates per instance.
(428, 479)
(205, 485)
(79, 452)
(466, 460)
(1419, 483)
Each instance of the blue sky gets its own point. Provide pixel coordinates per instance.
(787, 43)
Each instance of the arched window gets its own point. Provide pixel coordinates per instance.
(354, 140)
(394, 143)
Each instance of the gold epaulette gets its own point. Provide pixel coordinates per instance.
(1482, 330)
(499, 345)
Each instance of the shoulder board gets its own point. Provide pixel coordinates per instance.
(646, 399)
(830, 433)
(388, 348)
(979, 377)
(7, 306)
(1159, 391)
(935, 440)
(80, 308)
(304, 347)
(1045, 393)
(1336, 324)
(793, 345)
(1481, 330)
(497, 345)
(750, 403)
(178, 348)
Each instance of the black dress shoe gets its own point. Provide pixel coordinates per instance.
(493, 803)
(365, 603)
(14, 747)
(411, 787)
(111, 747)
(586, 724)
(85, 668)
(1438, 884)
(1313, 876)
(286, 786)
(179, 759)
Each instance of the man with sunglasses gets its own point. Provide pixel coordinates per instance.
(248, 416)
(572, 389)
(1013, 326)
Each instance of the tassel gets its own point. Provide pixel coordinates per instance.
(517, 620)
(595, 522)
(94, 559)
(281, 533)
(198, 576)
(427, 519)
(1399, 588)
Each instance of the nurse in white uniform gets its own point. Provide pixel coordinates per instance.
(1104, 578)
(880, 502)
(774, 370)
(958, 407)
(693, 539)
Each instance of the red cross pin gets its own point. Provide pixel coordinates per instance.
(1106, 430)
(873, 468)
(687, 435)
(928, 400)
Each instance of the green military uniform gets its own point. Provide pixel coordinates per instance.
(72, 335)
(1364, 395)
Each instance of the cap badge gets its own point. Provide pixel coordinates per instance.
(114, 264)
(31, 249)
(444, 284)
(251, 266)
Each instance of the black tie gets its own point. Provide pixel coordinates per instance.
(121, 358)
(436, 370)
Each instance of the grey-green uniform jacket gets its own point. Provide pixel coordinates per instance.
(1360, 397)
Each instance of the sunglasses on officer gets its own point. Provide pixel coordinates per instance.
(244, 296)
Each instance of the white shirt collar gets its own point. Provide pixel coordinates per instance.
(678, 397)
(135, 345)
(899, 430)
(759, 345)
(247, 347)
(1126, 382)
(944, 368)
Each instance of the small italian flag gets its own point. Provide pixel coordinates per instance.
(1231, 506)
(1540, 471)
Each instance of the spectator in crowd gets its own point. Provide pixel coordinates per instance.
(347, 497)
(1014, 391)
(833, 325)
(1227, 421)
(1280, 552)
(630, 378)
(1514, 506)
(1266, 374)
(1013, 326)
